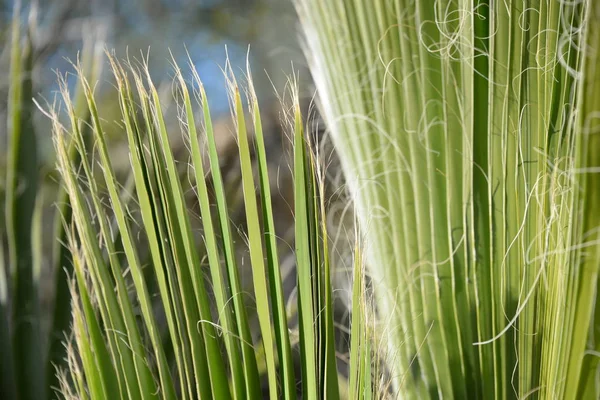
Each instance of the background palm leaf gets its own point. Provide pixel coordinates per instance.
(116, 334)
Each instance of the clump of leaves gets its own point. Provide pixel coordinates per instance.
(468, 134)
(206, 349)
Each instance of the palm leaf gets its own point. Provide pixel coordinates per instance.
(214, 353)
(464, 129)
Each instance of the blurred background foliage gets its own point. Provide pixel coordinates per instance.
(205, 29)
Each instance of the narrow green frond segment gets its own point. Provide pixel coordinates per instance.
(358, 345)
(7, 378)
(97, 362)
(280, 319)
(25, 343)
(255, 242)
(328, 363)
(304, 262)
(582, 379)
